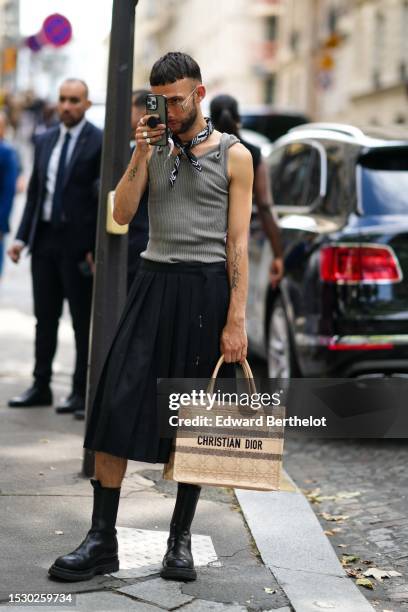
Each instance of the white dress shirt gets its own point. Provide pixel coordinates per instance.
(54, 161)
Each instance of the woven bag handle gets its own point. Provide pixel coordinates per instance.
(245, 368)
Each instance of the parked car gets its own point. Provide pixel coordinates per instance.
(270, 121)
(341, 194)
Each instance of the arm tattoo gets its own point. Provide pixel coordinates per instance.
(236, 258)
(132, 173)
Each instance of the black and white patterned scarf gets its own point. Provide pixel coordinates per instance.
(185, 149)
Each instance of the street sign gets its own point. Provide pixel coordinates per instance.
(57, 30)
(34, 43)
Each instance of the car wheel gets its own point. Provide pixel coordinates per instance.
(280, 357)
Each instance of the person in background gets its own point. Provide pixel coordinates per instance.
(226, 118)
(58, 226)
(47, 118)
(139, 226)
(4, 124)
(9, 171)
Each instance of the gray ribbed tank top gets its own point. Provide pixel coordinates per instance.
(188, 222)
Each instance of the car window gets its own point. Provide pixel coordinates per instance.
(296, 182)
(274, 163)
(382, 176)
(337, 200)
(271, 125)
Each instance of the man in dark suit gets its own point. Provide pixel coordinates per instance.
(58, 227)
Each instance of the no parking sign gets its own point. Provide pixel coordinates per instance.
(57, 30)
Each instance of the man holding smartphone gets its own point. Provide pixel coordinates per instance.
(186, 306)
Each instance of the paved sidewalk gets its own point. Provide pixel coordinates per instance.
(45, 508)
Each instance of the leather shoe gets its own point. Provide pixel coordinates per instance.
(34, 396)
(79, 415)
(71, 404)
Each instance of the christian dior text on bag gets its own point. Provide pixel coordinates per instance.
(243, 457)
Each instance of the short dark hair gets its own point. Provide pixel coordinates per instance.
(174, 66)
(139, 97)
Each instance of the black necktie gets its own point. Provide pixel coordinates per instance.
(56, 215)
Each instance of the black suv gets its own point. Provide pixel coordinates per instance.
(341, 194)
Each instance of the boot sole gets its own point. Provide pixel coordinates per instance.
(77, 576)
(178, 573)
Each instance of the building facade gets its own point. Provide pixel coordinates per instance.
(342, 60)
(234, 41)
(376, 57)
(345, 60)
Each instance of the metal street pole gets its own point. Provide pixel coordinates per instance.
(109, 291)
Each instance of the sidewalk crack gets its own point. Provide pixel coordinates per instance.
(140, 600)
(306, 571)
(233, 554)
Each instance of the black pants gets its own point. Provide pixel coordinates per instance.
(56, 275)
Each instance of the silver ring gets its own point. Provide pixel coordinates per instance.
(148, 140)
(144, 134)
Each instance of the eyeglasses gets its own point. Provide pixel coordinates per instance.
(180, 102)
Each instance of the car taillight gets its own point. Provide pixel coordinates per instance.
(359, 263)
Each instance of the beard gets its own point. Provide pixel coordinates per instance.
(187, 123)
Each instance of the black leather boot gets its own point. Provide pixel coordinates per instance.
(178, 561)
(98, 553)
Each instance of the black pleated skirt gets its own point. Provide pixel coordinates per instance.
(170, 328)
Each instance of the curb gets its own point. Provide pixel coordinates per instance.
(293, 546)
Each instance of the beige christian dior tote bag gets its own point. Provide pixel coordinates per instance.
(243, 451)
